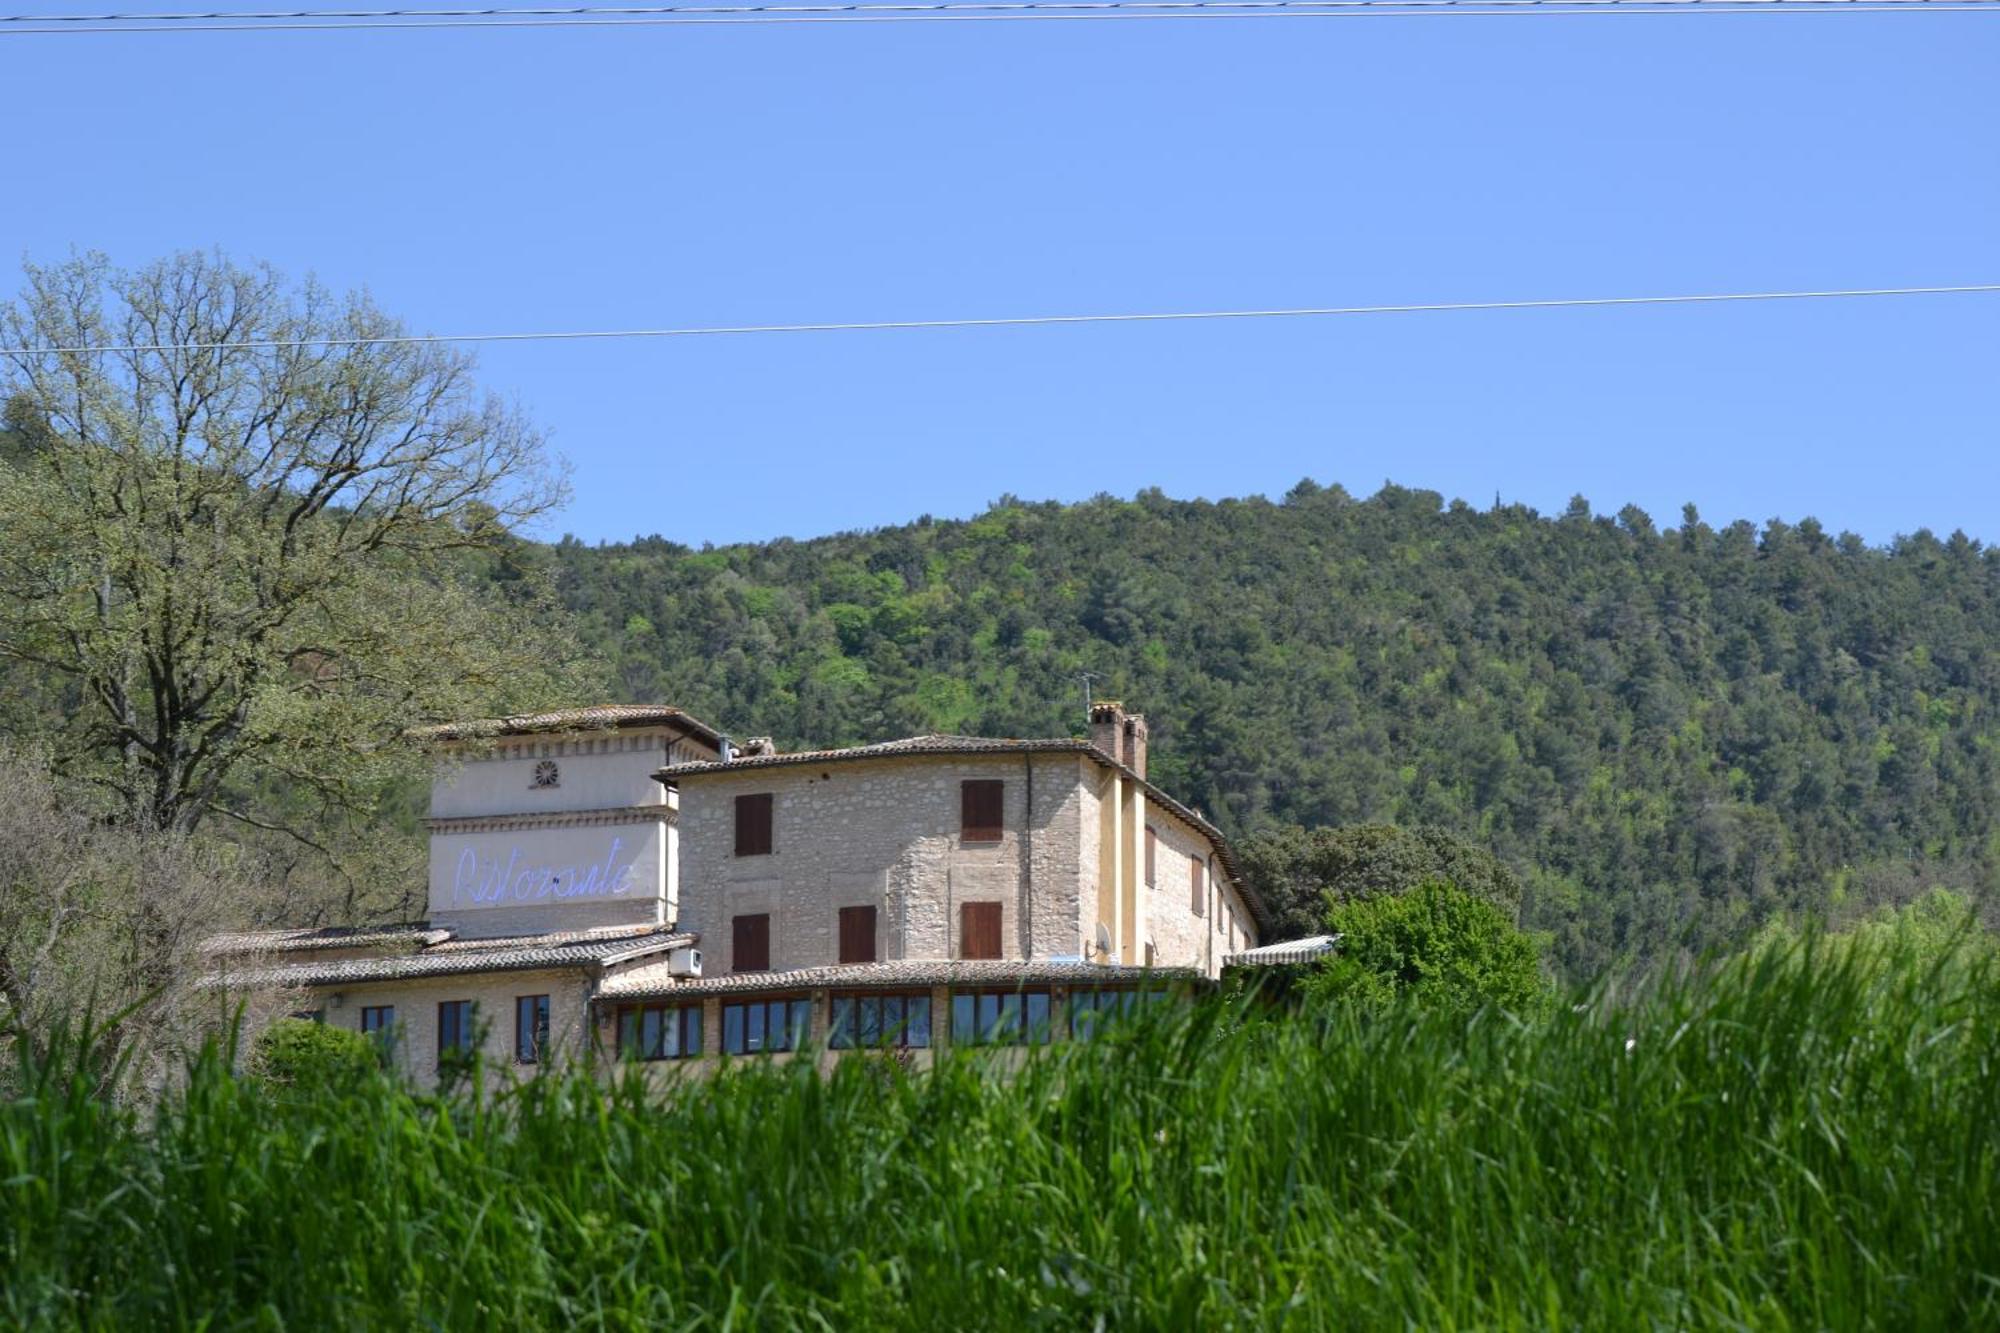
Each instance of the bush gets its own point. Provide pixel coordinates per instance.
(1437, 944)
(299, 1053)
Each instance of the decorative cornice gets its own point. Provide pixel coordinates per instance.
(626, 814)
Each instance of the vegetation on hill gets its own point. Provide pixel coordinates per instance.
(1668, 735)
(1805, 1140)
(1301, 872)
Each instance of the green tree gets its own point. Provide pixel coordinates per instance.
(1296, 869)
(255, 538)
(1435, 943)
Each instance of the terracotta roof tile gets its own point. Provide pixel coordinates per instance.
(653, 982)
(411, 934)
(514, 954)
(596, 717)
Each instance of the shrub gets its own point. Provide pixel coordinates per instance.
(298, 1053)
(1437, 944)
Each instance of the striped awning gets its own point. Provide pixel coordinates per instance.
(1283, 952)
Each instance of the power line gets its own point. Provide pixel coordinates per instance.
(1018, 321)
(947, 10)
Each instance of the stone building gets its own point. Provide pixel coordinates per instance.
(626, 877)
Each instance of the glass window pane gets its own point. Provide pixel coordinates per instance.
(691, 1039)
(753, 1035)
(840, 1023)
(917, 1022)
(1008, 1029)
(871, 1021)
(670, 1034)
(1038, 1016)
(732, 1029)
(964, 1030)
(802, 1024)
(892, 1020)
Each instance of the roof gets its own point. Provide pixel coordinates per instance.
(597, 717)
(517, 953)
(941, 744)
(414, 934)
(653, 982)
(1285, 951)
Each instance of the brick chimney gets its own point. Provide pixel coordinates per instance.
(1120, 734)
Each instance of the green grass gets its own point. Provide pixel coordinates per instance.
(1791, 1143)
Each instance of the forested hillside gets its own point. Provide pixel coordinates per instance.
(1668, 734)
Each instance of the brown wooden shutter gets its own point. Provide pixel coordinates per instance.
(979, 809)
(1152, 851)
(1198, 875)
(857, 934)
(750, 943)
(979, 930)
(753, 825)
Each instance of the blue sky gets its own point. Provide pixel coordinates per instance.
(557, 179)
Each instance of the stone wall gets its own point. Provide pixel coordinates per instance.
(886, 833)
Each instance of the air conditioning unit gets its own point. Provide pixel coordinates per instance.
(684, 962)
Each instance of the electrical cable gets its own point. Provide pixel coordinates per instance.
(945, 10)
(1017, 321)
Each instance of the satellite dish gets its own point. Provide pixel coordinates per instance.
(1103, 938)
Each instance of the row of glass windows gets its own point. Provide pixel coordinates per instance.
(871, 1019)
(995, 1017)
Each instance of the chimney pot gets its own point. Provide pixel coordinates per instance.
(1119, 734)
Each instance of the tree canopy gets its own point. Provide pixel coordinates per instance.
(1436, 944)
(1297, 870)
(249, 534)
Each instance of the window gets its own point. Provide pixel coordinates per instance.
(765, 1025)
(546, 775)
(531, 1028)
(1152, 855)
(379, 1021)
(1089, 1010)
(857, 934)
(1000, 1018)
(979, 930)
(1198, 874)
(454, 1029)
(875, 1019)
(659, 1031)
(750, 943)
(753, 825)
(979, 803)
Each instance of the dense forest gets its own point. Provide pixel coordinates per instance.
(1669, 735)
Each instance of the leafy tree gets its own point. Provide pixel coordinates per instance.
(247, 538)
(1296, 870)
(1436, 943)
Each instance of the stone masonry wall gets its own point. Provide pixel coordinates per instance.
(886, 832)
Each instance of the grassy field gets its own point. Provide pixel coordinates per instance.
(1794, 1143)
